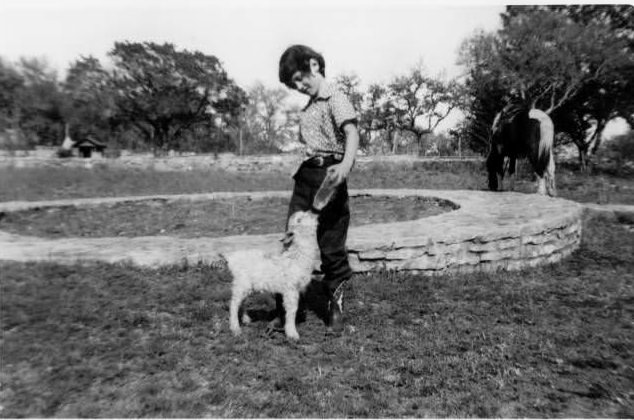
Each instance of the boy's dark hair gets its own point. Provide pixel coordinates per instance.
(297, 58)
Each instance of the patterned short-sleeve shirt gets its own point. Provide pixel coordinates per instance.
(321, 122)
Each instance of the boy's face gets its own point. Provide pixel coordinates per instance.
(305, 83)
(308, 82)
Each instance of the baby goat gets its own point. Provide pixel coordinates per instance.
(286, 271)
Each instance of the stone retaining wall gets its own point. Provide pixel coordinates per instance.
(512, 252)
(489, 231)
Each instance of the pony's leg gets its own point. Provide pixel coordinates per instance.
(541, 185)
(512, 165)
(505, 166)
(551, 187)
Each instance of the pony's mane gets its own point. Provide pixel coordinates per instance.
(510, 111)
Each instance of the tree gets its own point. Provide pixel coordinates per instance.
(164, 92)
(11, 83)
(547, 58)
(265, 118)
(418, 103)
(621, 150)
(350, 85)
(484, 90)
(556, 58)
(375, 121)
(89, 107)
(590, 62)
(39, 102)
(607, 99)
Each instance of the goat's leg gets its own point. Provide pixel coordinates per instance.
(278, 321)
(237, 297)
(291, 300)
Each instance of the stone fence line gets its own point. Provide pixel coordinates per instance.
(187, 162)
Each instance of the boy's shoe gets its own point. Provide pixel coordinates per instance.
(335, 313)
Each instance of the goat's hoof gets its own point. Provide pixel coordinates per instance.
(276, 325)
(292, 336)
(236, 331)
(246, 319)
(273, 327)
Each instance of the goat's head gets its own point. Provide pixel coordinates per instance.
(302, 223)
(303, 220)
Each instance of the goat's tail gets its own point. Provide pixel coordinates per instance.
(220, 263)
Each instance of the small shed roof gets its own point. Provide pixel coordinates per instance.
(89, 141)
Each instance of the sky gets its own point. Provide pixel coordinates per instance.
(375, 39)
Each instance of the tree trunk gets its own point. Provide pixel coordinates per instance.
(583, 158)
(148, 133)
(160, 139)
(393, 141)
(16, 117)
(598, 136)
(419, 140)
(240, 142)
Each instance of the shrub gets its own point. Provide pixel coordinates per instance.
(620, 151)
(623, 145)
(112, 153)
(64, 153)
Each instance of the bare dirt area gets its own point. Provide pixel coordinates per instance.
(213, 218)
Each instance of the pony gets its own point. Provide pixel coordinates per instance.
(519, 133)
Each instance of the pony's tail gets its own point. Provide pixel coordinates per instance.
(546, 136)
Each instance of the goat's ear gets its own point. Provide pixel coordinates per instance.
(287, 240)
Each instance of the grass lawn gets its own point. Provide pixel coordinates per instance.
(56, 183)
(119, 341)
(103, 340)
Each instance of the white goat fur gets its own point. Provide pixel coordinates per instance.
(285, 271)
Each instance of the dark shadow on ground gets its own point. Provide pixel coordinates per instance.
(313, 299)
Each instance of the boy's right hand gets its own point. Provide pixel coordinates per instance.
(339, 172)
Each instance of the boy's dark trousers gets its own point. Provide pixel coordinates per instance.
(334, 219)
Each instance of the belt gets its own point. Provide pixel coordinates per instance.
(321, 161)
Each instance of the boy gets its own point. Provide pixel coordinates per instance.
(328, 130)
